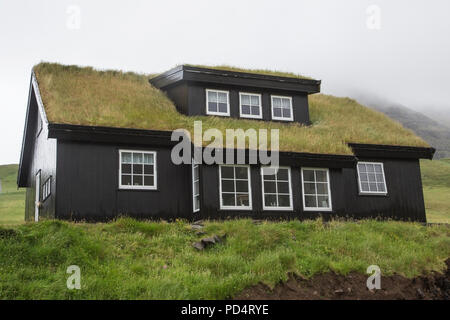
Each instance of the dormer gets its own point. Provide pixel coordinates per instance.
(244, 95)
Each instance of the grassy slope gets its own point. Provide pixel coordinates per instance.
(137, 260)
(436, 189)
(111, 98)
(12, 200)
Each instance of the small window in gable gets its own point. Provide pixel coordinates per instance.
(47, 189)
(250, 105)
(282, 108)
(371, 178)
(217, 102)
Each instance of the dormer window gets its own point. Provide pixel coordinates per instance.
(250, 105)
(282, 108)
(217, 102)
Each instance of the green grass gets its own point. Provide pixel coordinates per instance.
(85, 96)
(128, 259)
(436, 189)
(12, 200)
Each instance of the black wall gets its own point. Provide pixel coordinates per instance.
(88, 185)
(190, 99)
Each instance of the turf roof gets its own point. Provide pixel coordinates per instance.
(85, 96)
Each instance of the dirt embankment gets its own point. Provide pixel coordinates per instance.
(353, 287)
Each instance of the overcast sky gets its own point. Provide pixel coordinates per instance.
(399, 50)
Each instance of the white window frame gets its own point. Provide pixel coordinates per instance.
(250, 115)
(330, 208)
(291, 118)
(193, 186)
(291, 207)
(217, 113)
(222, 207)
(155, 171)
(382, 193)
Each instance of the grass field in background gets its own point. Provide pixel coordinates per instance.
(129, 259)
(435, 178)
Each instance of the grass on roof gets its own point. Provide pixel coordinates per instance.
(257, 71)
(85, 96)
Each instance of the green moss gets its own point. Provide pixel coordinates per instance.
(84, 96)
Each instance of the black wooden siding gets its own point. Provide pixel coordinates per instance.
(190, 99)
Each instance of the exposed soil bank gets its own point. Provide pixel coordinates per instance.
(353, 287)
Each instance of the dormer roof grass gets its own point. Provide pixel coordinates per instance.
(86, 96)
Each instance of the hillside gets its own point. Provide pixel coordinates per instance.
(12, 200)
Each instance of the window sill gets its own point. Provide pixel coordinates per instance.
(236, 208)
(277, 209)
(372, 194)
(318, 209)
(137, 189)
(218, 114)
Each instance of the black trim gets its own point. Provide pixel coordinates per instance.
(234, 78)
(388, 151)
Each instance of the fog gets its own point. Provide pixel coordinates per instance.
(398, 50)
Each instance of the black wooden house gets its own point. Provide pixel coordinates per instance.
(86, 155)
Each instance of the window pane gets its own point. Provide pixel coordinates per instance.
(323, 202)
(148, 158)
(322, 188)
(255, 111)
(379, 177)
(246, 109)
(371, 177)
(137, 168)
(241, 186)
(308, 175)
(373, 187)
(126, 168)
(212, 96)
(310, 202)
(378, 168)
(227, 172)
(381, 187)
(276, 102)
(310, 188)
(286, 103)
(223, 97)
(364, 186)
(269, 187)
(137, 157)
(370, 168)
(228, 199)
(227, 186)
(212, 106)
(196, 176)
(270, 200)
(137, 180)
(196, 203)
(283, 201)
(149, 180)
(321, 176)
(196, 188)
(242, 199)
(245, 99)
(255, 100)
(223, 108)
(277, 112)
(362, 167)
(282, 174)
(148, 169)
(126, 157)
(363, 177)
(286, 113)
(241, 172)
(126, 180)
(283, 187)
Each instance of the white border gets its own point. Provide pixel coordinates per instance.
(291, 207)
(383, 193)
(127, 187)
(193, 186)
(222, 207)
(37, 195)
(250, 115)
(329, 191)
(281, 118)
(217, 113)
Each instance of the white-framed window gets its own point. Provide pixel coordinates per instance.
(217, 102)
(47, 188)
(316, 189)
(195, 186)
(137, 169)
(250, 105)
(282, 108)
(371, 178)
(276, 188)
(234, 187)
